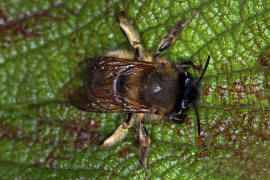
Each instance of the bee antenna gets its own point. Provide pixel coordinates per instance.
(204, 69)
(198, 119)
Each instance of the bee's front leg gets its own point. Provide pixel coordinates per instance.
(133, 38)
(178, 119)
(145, 142)
(188, 64)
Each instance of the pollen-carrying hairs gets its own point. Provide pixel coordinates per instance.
(141, 85)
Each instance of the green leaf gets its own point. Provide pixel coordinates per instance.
(43, 138)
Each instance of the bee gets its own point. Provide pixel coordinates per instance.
(141, 85)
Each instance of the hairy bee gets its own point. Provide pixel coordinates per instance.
(143, 86)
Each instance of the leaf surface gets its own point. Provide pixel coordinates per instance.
(43, 41)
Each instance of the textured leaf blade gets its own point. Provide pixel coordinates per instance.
(41, 45)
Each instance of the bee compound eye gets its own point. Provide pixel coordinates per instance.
(184, 105)
(187, 82)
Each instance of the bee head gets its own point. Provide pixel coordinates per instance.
(191, 92)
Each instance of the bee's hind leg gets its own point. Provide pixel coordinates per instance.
(133, 38)
(145, 142)
(120, 133)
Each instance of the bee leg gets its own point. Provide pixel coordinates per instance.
(187, 64)
(133, 38)
(178, 120)
(119, 53)
(121, 132)
(145, 142)
(170, 38)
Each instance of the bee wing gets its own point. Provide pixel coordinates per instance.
(110, 85)
(78, 98)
